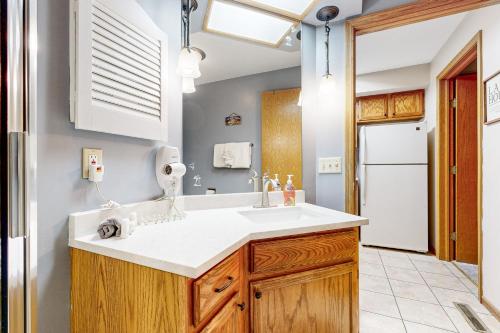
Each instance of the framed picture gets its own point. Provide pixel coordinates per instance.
(233, 120)
(492, 99)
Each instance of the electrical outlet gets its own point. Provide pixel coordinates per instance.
(330, 165)
(90, 156)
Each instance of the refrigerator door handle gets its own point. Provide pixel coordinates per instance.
(363, 185)
(363, 148)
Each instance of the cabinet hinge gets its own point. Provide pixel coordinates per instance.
(453, 236)
(453, 170)
(453, 103)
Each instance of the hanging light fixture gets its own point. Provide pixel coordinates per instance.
(190, 57)
(326, 14)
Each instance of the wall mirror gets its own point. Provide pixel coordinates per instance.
(244, 119)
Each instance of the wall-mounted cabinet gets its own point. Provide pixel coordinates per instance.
(400, 106)
(118, 60)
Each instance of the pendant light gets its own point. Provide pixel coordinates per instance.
(190, 57)
(326, 14)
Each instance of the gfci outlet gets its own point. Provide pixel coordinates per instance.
(330, 165)
(90, 156)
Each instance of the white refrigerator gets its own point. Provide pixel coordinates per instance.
(393, 185)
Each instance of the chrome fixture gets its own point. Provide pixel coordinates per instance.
(326, 14)
(265, 191)
(190, 57)
(254, 179)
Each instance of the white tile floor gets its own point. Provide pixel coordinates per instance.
(404, 292)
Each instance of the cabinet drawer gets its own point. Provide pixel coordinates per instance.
(216, 286)
(301, 252)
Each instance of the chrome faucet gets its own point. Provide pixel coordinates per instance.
(265, 191)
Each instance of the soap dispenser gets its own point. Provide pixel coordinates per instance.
(289, 192)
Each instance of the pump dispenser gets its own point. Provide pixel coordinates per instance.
(289, 192)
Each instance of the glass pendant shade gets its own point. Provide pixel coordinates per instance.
(188, 85)
(327, 84)
(189, 63)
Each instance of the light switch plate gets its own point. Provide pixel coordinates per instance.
(85, 159)
(330, 165)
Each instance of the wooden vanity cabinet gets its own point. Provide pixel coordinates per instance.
(304, 283)
(320, 300)
(228, 319)
(400, 106)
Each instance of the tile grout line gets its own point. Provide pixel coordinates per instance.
(394, 296)
(439, 302)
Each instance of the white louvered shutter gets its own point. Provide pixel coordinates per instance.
(119, 70)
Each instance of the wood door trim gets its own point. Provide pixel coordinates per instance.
(493, 310)
(474, 47)
(413, 13)
(402, 15)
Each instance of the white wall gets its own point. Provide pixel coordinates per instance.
(485, 19)
(400, 79)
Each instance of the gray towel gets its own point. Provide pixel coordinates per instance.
(109, 228)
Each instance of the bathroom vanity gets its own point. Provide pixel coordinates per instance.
(226, 267)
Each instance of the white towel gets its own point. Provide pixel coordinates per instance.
(218, 156)
(238, 155)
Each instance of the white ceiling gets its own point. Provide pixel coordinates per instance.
(404, 46)
(347, 8)
(229, 58)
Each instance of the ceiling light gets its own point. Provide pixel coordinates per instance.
(244, 22)
(188, 66)
(188, 85)
(297, 9)
(326, 14)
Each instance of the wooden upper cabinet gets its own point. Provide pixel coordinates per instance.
(407, 105)
(321, 301)
(372, 108)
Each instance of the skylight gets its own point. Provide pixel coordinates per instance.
(294, 8)
(232, 19)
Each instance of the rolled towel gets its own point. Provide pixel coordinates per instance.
(109, 228)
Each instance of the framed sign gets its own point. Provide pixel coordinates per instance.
(233, 120)
(492, 99)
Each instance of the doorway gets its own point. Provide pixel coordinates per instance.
(463, 143)
(459, 178)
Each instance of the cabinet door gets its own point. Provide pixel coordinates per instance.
(118, 70)
(322, 301)
(228, 320)
(408, 104)
(372, 108)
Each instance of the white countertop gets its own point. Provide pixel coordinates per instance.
(192, 246)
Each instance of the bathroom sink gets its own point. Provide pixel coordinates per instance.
(281, 214)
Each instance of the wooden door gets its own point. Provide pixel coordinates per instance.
(228, 320)
(282, 135)
(322, 301)
(466, 185)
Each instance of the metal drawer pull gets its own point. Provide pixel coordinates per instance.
(258, 295)
(229, 282)
(241, 306)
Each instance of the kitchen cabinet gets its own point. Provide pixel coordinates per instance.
(400, 106)
(297, 283)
